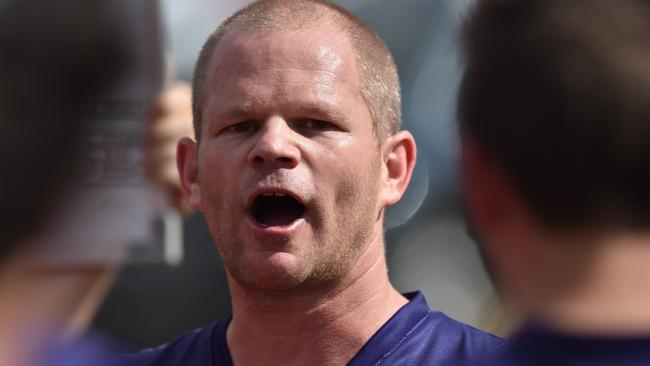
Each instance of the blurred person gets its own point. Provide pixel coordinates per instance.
(170, 119)
(54, 58)
(298, 153)
(554, 115)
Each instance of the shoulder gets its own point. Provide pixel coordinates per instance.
(466, 337)
(192, 348)
(417, 335)
(440, 339)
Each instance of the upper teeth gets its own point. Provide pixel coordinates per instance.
(274, 194)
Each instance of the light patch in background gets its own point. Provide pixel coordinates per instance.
(459, 8)
(437, 257)
(431, 86)
(190, 22)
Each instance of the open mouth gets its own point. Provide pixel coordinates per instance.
(276, 209)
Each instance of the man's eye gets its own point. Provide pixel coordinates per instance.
(241, 127)
(317, 124)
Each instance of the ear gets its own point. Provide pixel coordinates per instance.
(398, 158)
(186, 160)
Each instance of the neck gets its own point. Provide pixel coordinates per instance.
(43, 305)
(325, 327)
(611, 296)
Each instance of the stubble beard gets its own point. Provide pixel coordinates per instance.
(344, 237)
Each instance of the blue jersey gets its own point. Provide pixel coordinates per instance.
(415, 335)
(541, 347)
(92, 349)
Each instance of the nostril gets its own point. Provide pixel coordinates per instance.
(258, 160)
(285, 159)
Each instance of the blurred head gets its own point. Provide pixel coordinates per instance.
(53, 58)
(554, 114)
(289, 171)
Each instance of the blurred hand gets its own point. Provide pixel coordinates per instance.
(170, 120)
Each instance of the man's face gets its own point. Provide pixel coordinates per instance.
(288, 165)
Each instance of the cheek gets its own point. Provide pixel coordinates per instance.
(354, 208)
(214, 181)
(357, 178)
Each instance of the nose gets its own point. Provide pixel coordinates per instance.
(275, 145)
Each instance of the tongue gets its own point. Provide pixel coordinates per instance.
(278, 216)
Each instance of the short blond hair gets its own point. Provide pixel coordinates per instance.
(379, 82)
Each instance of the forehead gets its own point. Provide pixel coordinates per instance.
(307, 66)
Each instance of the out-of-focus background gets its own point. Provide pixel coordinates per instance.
(428, 248)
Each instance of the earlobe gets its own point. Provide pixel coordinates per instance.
(399, 156)
(186, 159)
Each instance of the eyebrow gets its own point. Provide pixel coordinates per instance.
(236, 112)
(322, 110)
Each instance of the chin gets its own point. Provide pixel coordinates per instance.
(275, 271)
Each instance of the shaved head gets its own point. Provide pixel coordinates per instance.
(379, 82)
